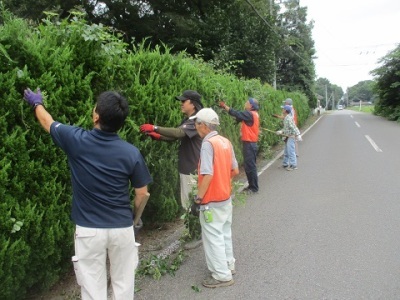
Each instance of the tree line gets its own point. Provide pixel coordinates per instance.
(250, 39)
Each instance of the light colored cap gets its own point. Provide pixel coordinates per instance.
(206, 115)
(288, 101)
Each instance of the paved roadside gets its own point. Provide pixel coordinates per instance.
(160, 242)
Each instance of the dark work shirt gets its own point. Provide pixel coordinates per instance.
(103, 166)
(242, 116)
(189, 148)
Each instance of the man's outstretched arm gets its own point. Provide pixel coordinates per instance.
(35, 100)
(45, 119)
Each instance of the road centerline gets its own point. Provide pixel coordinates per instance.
(373, 144)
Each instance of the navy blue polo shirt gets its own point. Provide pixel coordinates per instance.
(103, 167)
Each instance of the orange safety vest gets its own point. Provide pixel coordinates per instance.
(250, 133)
(220, 185)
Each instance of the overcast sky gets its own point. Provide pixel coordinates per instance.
(351, 35)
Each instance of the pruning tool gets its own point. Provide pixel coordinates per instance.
(273, 131)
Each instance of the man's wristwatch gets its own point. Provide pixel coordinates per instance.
(155, 128)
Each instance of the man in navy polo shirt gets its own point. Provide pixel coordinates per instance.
(103, 167)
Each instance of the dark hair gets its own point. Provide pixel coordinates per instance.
(197, 105)
(113, 109)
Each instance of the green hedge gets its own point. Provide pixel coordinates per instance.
(72, 62)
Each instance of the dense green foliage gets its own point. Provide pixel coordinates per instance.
(362, 91)
(250, 39)
(72, 62)
(388, 86)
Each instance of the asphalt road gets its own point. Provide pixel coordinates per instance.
(329, 230)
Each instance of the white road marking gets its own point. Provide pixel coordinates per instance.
(358, 125)
(377, 149)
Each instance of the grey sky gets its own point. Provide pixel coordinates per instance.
(351, 35)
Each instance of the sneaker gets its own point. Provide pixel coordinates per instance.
(211, 282)
(291, 168)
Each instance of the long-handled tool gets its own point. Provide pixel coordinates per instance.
(273, 131)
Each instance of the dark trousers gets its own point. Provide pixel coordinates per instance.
(250, 167)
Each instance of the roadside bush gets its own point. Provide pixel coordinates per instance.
(72, 62)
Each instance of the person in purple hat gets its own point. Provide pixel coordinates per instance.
(290, 132)
(249, 132)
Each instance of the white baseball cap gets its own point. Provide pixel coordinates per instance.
(206, 115)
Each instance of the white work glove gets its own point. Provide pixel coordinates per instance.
(279, 132)
(299, 138)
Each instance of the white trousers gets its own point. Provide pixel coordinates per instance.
(188, 183)
(217, 242)
(92, 245)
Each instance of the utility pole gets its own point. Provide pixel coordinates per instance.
(271, 3)
(326, 97)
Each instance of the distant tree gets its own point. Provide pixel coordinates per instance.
(321, 89)
(295, 66)
(387, 78)
(362, 91)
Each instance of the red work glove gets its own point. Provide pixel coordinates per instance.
(154, 135)
(222, 104)
(146, 128)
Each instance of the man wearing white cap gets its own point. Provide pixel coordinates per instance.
(217, 167)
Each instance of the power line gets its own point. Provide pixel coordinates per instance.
(273, 29)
